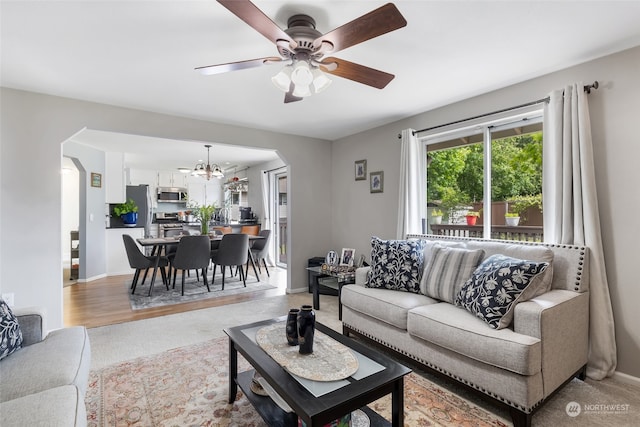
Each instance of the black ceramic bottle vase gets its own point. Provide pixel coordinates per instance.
(292, 326)
(306, 329)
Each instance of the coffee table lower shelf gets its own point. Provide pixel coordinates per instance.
(274, 416)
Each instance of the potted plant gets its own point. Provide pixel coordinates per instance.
(472, 217)
(204, 214)
(512, 218)
(436, 216)
(128, 211)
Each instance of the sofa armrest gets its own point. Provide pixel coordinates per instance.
(560, 319)
(32, 324)
(361, 275)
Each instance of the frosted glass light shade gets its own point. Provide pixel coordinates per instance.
(282, 80)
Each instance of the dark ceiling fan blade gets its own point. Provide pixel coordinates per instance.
(288, 97)
(375, 23)
(256, 19)
(240, 65)
(356, 72)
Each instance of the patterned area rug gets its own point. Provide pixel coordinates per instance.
(187, 386)
(193, 290)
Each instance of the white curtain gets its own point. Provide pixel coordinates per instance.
(412, 199)
(571, 213)
(266, 215)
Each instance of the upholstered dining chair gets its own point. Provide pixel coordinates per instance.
(193, 252)
(260, 249)
(140, 262)
(233, 251)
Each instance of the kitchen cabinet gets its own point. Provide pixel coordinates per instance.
(114, 179)
(172, 179)
(205, 192)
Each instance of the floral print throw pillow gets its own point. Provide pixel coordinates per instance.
(396, 264)
(497, 285)
(10, 333)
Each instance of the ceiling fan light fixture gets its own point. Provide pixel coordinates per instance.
(282, 80)
(320, 80)
(302, 91)
(301, 74)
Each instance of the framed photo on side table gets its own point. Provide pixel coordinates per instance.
(361, 170)
(346, 257)
(376, 182)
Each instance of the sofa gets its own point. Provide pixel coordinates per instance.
(44, 382)
(519, 363)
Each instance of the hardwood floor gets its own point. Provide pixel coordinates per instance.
(106, 301)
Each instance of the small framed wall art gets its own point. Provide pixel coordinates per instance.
(361, 170)
(96, 179)
(346, 257)
(376, 182)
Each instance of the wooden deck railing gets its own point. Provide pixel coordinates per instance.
(499, 232)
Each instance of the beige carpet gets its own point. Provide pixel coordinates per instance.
(114, 344)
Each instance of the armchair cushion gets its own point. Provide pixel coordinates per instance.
(497, 285)
(396, 264)
(10, 333)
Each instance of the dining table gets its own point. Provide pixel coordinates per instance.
(159, 243)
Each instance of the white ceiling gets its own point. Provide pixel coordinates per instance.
(141, 54)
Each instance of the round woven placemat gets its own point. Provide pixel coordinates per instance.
(330, 360)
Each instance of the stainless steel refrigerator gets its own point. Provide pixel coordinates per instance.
(142, 197)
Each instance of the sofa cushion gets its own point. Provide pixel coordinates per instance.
(59, 406)
(447, 270)
(396, 264)
(383, 304)
(62, 358)
(456, 329)
(10, 333)
(497, 285)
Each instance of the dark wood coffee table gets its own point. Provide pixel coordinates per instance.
(314, 410)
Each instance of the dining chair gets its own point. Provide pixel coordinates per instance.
(193, 253)
(170, 250)
(233, 251)
(260, 250)
(140, 262)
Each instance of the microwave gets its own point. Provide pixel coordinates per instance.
(172, 195)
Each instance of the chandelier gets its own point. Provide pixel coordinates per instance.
(207, 170)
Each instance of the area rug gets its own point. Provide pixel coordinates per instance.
(193, 290)
(188, 386)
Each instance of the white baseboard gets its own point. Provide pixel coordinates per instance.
(91, 279)
(297, 291)
(626, 378)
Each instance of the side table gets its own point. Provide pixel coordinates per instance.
(341, 280)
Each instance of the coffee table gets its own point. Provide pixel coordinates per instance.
(317, 403)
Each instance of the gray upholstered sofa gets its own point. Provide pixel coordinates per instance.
(519, 366)
(44, 382)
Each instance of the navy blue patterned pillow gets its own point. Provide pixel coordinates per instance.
(396, 264)
(496, 286)
(10, 333)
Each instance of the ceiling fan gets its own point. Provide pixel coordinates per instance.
(303, 48)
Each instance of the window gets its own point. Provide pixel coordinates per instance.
(492, 168)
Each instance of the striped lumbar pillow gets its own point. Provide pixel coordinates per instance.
(447, 270)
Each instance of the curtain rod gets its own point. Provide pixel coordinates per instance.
(587, 88)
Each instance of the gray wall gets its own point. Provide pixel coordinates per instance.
(615, 109)
(33, 129)
(91, 220)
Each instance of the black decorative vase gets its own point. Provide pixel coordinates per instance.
(306, 329)
(292, 326)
